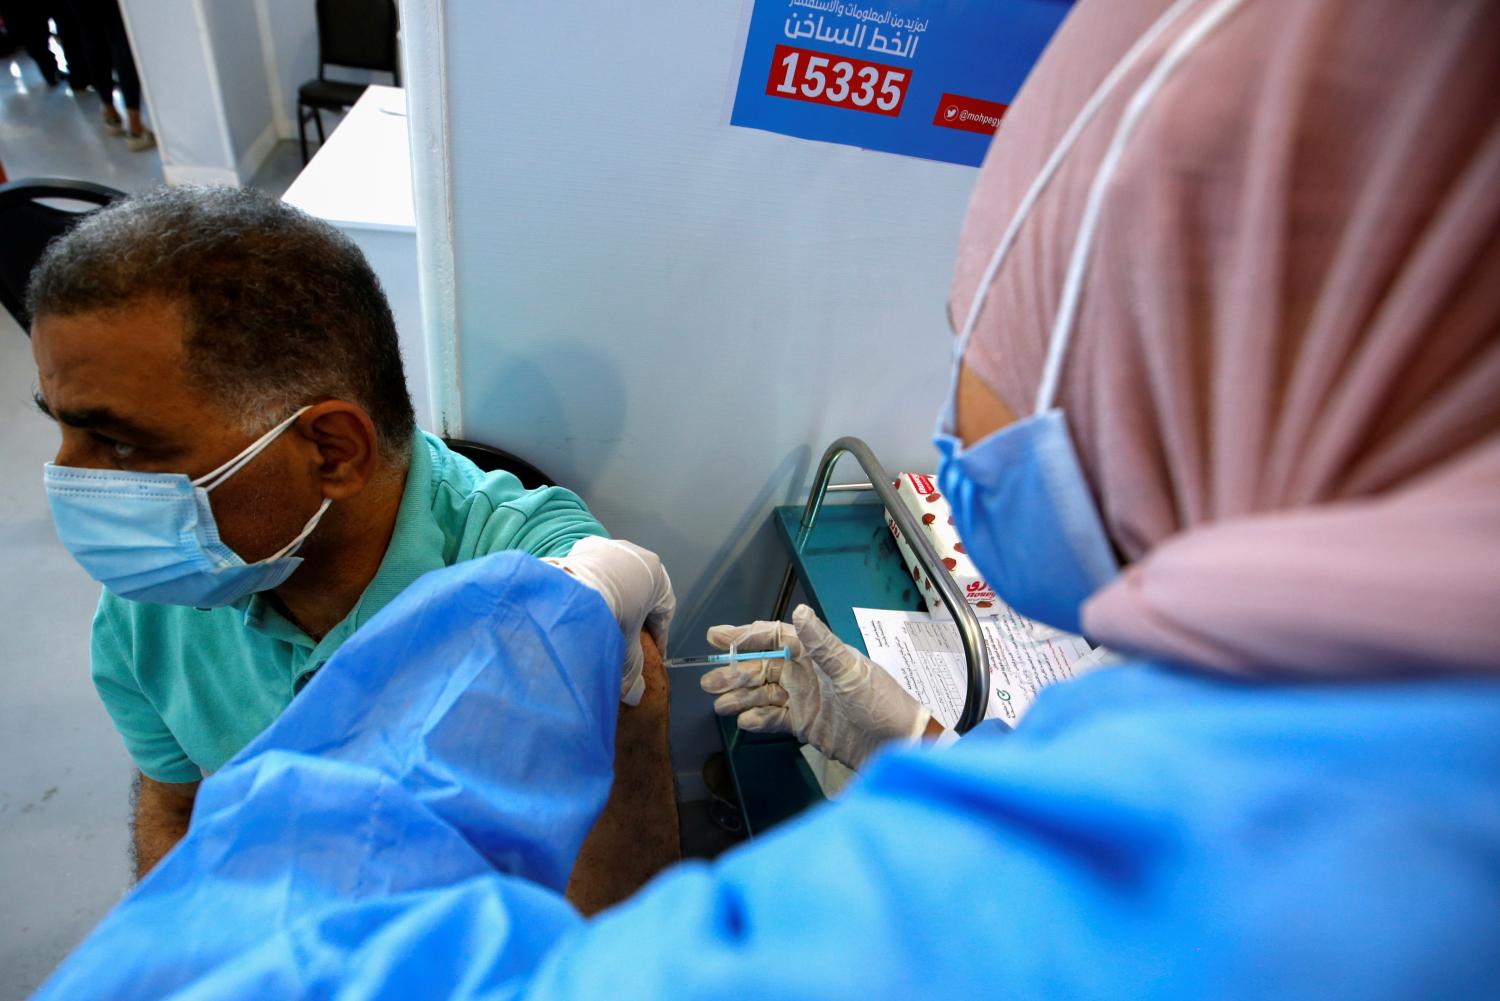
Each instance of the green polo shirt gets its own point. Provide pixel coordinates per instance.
(187, 688)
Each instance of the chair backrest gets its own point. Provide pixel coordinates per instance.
(29, 225)
(360, 34)
(490, 459)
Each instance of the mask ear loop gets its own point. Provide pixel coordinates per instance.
(295, 544)
(1072, 294)
(1044, 178)
(215, 477)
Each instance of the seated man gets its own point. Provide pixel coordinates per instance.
(241, 468)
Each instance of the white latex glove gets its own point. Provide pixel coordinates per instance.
(637, 590)
(826, 692)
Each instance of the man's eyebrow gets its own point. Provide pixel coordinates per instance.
(94, 418)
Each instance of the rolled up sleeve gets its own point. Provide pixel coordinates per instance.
(156, 752)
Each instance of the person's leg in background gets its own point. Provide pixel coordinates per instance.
(26, 22)
(137, 136)
(88, 16)
(75, 48)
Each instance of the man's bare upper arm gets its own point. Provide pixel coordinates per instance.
(173, 793)
(161, 814)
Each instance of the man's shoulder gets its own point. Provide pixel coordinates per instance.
(486, 511)
(459, 484)
(457, 476)
(124, 629)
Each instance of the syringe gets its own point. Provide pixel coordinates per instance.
(732, 657)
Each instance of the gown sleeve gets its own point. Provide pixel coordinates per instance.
(406, 829)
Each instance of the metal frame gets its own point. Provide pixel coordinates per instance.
(976, 655)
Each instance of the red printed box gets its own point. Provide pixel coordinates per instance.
(971, 114)
(918, 491)
(837, 81)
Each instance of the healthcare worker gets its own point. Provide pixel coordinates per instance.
(1242, 259)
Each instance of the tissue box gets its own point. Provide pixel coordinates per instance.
(918, 491)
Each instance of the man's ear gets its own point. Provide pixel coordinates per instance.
(347, 449)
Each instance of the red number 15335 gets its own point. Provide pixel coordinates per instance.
(804, 75)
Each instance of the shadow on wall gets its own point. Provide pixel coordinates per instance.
(536, 393)
(750, 552)
(547, 386)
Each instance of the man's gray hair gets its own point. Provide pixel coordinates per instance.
(281, 309)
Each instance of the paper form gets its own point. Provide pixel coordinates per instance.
(926, 656)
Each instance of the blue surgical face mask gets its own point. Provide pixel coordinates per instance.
(1027, 519)
(152, 536)
(1020, 501)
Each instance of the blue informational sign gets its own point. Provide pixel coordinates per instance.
(928, 78)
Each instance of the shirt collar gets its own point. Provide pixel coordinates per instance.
(416, 547)
(417, 543)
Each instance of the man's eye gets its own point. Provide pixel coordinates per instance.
(117, 449)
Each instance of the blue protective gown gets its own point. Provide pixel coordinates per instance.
(406, 828)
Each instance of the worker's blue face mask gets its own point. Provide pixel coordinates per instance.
(1027, 518)
(152, 536)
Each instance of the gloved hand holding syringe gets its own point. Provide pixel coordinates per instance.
(798, 677)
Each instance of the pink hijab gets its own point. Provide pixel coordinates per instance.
(1285, 379)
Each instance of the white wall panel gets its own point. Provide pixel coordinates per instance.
(203, 72)
(291, 31)
(172, 54)
(235, 38)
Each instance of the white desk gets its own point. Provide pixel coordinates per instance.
(360, 181)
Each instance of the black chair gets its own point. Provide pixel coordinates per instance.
(29, 225)
(357, 34)
(490, 459)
